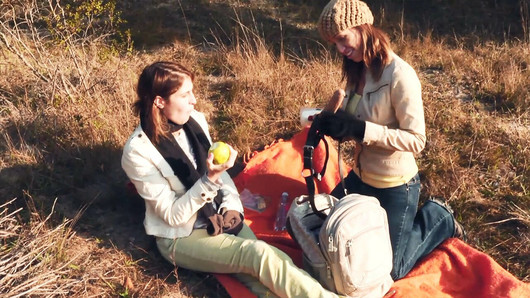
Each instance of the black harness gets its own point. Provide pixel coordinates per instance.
(314, 137)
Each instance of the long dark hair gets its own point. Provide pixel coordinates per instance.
(376, 55)
(158, 79)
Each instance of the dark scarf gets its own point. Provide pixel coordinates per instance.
(179, 161)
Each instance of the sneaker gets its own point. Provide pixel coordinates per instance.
(459, 231)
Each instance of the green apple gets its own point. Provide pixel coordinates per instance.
(221, 152)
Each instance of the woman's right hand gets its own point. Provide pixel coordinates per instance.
(214, 170)
(335, 101)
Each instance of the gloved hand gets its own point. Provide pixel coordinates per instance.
(340, 125)
(215, 225)
(207, 210)
(232, 222)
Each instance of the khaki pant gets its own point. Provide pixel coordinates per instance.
(259, 266)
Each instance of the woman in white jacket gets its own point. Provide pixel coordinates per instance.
(192, 205)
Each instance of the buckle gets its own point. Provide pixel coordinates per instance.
(309, 148)
(308, 170)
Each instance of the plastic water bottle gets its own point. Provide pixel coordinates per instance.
(281, 215)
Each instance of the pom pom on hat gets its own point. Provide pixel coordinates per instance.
(339, 15)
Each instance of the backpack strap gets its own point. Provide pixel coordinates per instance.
(314, 137)
(341, 175)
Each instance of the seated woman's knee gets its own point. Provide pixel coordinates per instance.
(260, 247)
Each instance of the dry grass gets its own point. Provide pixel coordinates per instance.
(266, 91)
(68, 226)
(41, 259)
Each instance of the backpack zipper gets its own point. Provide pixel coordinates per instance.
(348, 247)
(331, 247)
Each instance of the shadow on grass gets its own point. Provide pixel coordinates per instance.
(290, 25)
(67, 181)
(160, 23)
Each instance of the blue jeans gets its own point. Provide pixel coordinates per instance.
(413, 233)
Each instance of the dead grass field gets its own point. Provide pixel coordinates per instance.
(70, 227)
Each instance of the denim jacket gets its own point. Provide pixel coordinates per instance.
(171, 210)
(395, 126)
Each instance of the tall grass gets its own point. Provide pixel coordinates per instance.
(65, 100)
(266, 90)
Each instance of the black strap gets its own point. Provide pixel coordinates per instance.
(339, 153)
(314, 137)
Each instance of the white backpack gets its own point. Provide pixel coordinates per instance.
(348, 252)
(345, 243)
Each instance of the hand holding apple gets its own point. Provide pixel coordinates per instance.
(220, 151)
(221, 157)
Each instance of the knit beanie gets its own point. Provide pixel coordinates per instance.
(339, 15)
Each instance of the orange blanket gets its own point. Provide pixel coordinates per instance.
(454, 269)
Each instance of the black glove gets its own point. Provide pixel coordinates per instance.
(207, 210)
(232, 222)
(215, 225)
(340, 125)
(215, 220)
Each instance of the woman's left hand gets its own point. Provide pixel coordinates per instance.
(214, 170)
(340, 125)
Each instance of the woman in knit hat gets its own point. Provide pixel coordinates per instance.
(381, 109)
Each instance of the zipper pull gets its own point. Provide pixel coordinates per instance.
(331, 247)
(328, 271)
(348, 246)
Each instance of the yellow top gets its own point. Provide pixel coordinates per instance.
(351, 106)
(381, 181)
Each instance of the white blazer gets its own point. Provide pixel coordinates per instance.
(170, 210)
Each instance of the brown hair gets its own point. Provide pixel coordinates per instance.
(158, 79)
(376, 55)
